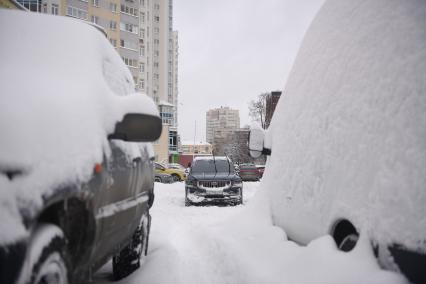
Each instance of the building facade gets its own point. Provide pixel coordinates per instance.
(142, 33)
(221, 123)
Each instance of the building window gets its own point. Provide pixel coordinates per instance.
(130, 62)
(113, 42)
(76, 13)
(155, 64)
(157, 19)
(95, 3)
(157, 6)
(142, 51)
(128, 44)
(95, 19)
(113, 7)
(113, 25)
(129, 10)
(45, 8)
(142, 2)
(142, 33)
(141, 67)
(55, 9)
(141, 83)
(128, 28)
(156, 30)
(142, 17)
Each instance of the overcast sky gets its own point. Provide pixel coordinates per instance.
(230, 51)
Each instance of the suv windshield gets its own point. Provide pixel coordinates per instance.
(208, 166)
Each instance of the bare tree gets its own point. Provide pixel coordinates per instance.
(257, 109)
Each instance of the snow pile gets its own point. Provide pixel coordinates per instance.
(349, 132)
(62, 91)
(240, 245)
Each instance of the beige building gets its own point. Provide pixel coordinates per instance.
(197, 148)
(161, 146)
(221, 123)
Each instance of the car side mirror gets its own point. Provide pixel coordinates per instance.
(137, 127)
(256, 143)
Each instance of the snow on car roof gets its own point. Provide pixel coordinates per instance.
(63, 88)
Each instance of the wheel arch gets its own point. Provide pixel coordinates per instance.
(71, 215)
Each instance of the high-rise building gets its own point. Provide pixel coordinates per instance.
(142, 32)
(220, 126)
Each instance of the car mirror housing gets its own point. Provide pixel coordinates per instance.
(256, 142)
(137, 127)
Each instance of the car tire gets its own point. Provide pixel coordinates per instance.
(157, 179)
(349, 242)
(175, 177)
(128, 259)
(47, 257)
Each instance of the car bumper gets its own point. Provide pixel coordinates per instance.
(12, 259)
(197, 197)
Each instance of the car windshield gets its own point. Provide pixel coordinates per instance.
(208, 166)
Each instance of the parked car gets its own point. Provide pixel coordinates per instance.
(177, 174)
(347, 139)
(213, 179)
(249, 172)
(76, 170)
(163, 178)
(176, 166)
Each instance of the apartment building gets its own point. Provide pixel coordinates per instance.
(142, 32)
(221, 123)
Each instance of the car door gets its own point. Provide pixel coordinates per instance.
(116, 215)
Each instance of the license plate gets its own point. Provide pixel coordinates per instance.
(214, 192)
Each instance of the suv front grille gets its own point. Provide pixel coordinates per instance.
(214, 184)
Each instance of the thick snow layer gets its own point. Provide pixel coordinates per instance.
(61, 93)
(349, 132)
(240, 245)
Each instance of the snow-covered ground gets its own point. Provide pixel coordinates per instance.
(240, 245)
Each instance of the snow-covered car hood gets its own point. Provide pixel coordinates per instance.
(63, 88)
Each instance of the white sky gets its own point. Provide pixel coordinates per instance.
(231, 51)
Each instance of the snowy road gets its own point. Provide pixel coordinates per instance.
(239, 245)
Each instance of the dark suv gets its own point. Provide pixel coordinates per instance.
(213, 180)
(76, 165)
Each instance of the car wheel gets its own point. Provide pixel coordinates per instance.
(46, 255)
(157, 179)
(349, 242)
(128, 259)
(175, 177)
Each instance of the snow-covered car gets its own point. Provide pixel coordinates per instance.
(212, 179)
(76, 170)
(348, 137)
